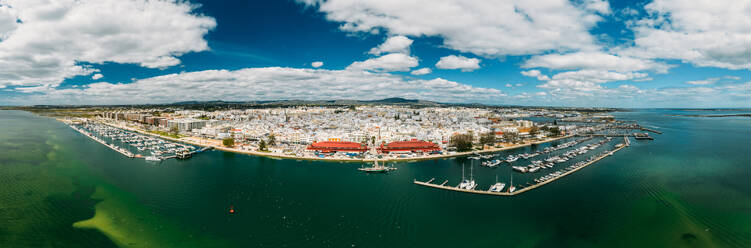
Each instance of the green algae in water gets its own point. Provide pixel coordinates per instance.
(125, 221)
(45, 190)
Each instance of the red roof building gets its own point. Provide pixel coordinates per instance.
(338, 146)
(412, 146)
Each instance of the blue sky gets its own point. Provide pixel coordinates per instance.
(661, 53)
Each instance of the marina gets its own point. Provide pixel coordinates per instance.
(135, 145)
(512, 189)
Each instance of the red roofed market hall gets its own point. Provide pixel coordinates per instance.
(412, 145)
(338, 146)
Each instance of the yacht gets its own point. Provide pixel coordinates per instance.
(467, 184)
(376, 168)
(497, 187)
(511, 187)
(153, 158)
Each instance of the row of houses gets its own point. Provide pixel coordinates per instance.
(182, 124)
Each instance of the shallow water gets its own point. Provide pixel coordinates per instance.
(687, 188)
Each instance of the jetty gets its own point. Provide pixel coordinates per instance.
(524, 189)
(643, 136)
(650, 130)
(111, 146)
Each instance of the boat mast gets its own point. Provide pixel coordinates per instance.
(511, 184)
(470, 170)
(462, 171)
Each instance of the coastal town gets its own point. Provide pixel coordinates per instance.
(525, 140)
(556, 141)
(357, 133)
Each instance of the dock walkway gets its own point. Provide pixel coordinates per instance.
(113, 147)
(522, 190)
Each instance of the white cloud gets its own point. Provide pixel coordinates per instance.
(704, 33)
(97, 76)
(421, 71)
(484, 28)
(537, 74)
(269, 83)
(388, 62)
(8, 21)
(703, 82)
(596, 76)
(458, 62)
(593, 61)
(54, 37)
(394, 44)
(316, 64)
(599, 6)
(714, 80)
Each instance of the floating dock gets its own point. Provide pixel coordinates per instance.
(113, 147)
(522, 190)
(650, 130)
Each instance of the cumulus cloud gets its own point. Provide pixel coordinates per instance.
(589, 83)
(594, 61)
(537, 74)
(45, 42)
(395, 44)
(97, 76)
(599, 6)
(484, 28)
(704, 33)
(458, 62)
(316, 64)
(714, 80)
(388, 62)
(596, 76)
(268, 83)
(8, 21)
(421, 71)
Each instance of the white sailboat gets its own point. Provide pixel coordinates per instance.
(511, 186)
(497, 187)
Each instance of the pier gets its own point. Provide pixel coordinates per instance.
(524, 189)
(113, 147)
(650, 130)
(160, 149)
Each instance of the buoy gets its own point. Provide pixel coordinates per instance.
(231, 209)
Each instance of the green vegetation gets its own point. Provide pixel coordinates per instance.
(534, 131)
(510, 137)
(555, 131)
(262, 146)
(174, 130)
(488, 138)
(462, 142)
(162, 133)
(272, 140)
(228, 142)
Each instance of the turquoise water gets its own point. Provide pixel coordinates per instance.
(688, 188)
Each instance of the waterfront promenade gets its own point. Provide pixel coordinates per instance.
(197, 142)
